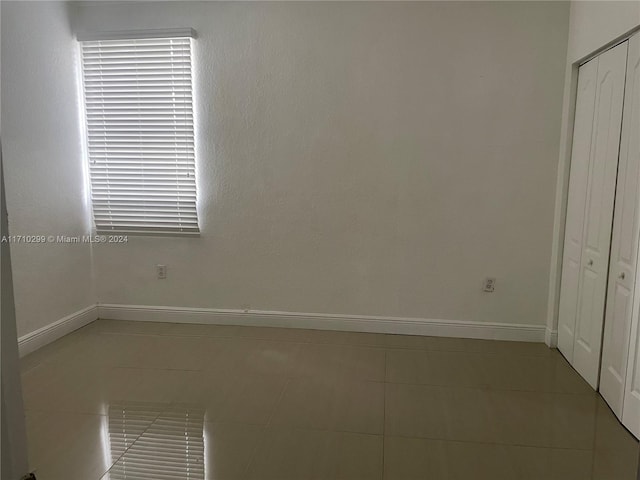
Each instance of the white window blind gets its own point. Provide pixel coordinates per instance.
(139, 116)
(147, 444)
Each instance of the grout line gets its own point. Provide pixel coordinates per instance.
(360, 345)
(129, 367)
(498, 443)
(442, 439)
(327, 430)
(264, 427)
(278, 402)
(384, 411)
(483, 387)
(254, 451)
(486, 388)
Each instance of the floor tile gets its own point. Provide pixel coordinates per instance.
(434, 368)
(487, 370)
(295, 454)
(229, 449)
(263, 403)
(104, 349)
(251, 355)
(341, 361)
(92, 390)
(470, 345)
(342, 405)
(417, 458)
(439, 413)
(515, 348)
(414, 459)
(335, 337)
(53, 350)
(226, 449)
(67, 445)
(615, 453)
(139, 351)
(129, 327)
(479, 461)
(347, 338)
(235, 397)
(270, 333)
(534, 463)
(128, 421)
(544, 419)
(530, 373)
(172, 446)
(202, 330)
(416, 342)
(368, 339)
(165, 352)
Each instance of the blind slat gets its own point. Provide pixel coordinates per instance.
(139, 112)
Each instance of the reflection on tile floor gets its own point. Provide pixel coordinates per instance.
(125, 400)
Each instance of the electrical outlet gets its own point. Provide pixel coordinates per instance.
(489, 285)
(161, 271)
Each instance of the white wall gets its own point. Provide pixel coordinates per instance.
(593, 25)
(360, 158)
(43, 162)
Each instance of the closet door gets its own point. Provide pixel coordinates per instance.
(630, 149)
(580, 155)
(624, 243)
(601, 186)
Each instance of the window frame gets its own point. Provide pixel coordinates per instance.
(160, 34)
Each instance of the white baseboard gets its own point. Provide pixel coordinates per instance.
(319, 321)
(45, 335)
(551, 338)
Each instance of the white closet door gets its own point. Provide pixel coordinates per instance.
(624, 246)
(601, 187)
(631, 150)
(580, 155)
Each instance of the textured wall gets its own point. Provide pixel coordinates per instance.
(43, 162)
(596, 23)
(360, 158)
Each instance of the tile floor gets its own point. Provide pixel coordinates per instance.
(124, 400)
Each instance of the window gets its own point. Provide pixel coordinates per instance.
(139, 122)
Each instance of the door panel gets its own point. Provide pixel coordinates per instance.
(630, 152)
(588, 303)
(624, 248)
(615, 345)
(585, 107)
(598, 217)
